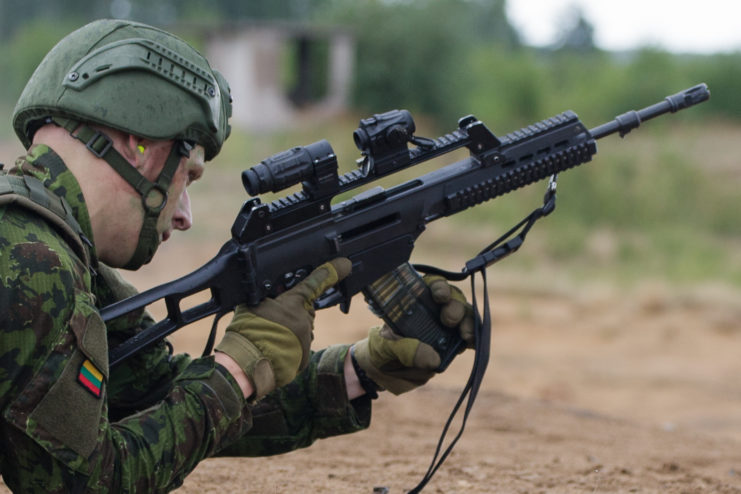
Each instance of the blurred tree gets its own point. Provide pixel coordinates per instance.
(416, 53)
(721, 72)
(576, 33)
(507, 88)
(486, 22)
(240, 10)
(441, 57)
(25, 50)
(14, 14)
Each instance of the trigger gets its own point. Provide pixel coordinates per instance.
(331, 298)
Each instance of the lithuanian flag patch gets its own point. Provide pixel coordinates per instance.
(91, 378)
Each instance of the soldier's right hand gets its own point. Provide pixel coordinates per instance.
(271, 341)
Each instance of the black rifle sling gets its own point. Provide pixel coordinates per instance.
(496, 251)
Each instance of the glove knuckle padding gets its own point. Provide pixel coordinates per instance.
(284, 310)
(394, 352)
(278, 332)
(284, 349)
(397, 364)
(281, 314)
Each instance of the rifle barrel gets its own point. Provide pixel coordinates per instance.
(630, 120)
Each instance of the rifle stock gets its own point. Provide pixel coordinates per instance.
(275, 245)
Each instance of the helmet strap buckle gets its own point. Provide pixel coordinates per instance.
(99, 144)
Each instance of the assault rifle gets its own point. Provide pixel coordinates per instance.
(275, 245)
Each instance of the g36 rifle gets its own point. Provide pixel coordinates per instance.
(274, 245)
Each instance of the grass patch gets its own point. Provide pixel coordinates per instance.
(653, 205)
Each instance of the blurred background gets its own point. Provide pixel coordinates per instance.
(663, 203)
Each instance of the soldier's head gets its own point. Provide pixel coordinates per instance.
(138, 98)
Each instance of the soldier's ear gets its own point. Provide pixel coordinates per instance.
(135, 150)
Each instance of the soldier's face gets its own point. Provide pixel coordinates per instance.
(177, 213)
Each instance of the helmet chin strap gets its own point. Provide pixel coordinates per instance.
(153, 194)
(153, 201)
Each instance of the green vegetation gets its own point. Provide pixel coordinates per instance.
(662, 203)
(643, 208)
(441, 58)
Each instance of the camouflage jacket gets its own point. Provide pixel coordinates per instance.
(69, 424)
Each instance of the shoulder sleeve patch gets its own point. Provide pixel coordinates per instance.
(90, 378)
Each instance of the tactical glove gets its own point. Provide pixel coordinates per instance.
(456, 312)
(271, 341)
(400, 364)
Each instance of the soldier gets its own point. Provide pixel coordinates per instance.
(118, 120)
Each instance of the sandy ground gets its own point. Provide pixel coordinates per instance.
(590, 389)
(593, 391)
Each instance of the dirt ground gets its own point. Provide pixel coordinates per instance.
(588, 392)
(593, 391)
(590, 389)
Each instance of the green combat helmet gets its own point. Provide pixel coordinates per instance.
(137, 79)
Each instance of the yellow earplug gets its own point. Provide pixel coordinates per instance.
(140, 148)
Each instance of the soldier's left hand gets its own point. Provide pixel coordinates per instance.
(399, 364)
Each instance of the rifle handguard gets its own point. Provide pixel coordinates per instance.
(404, 302)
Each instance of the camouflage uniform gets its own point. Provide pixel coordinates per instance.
(69, 424)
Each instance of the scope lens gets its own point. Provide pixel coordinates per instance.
(252, 182)
(360, 136)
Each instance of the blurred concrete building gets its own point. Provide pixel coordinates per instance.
(276, 70)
